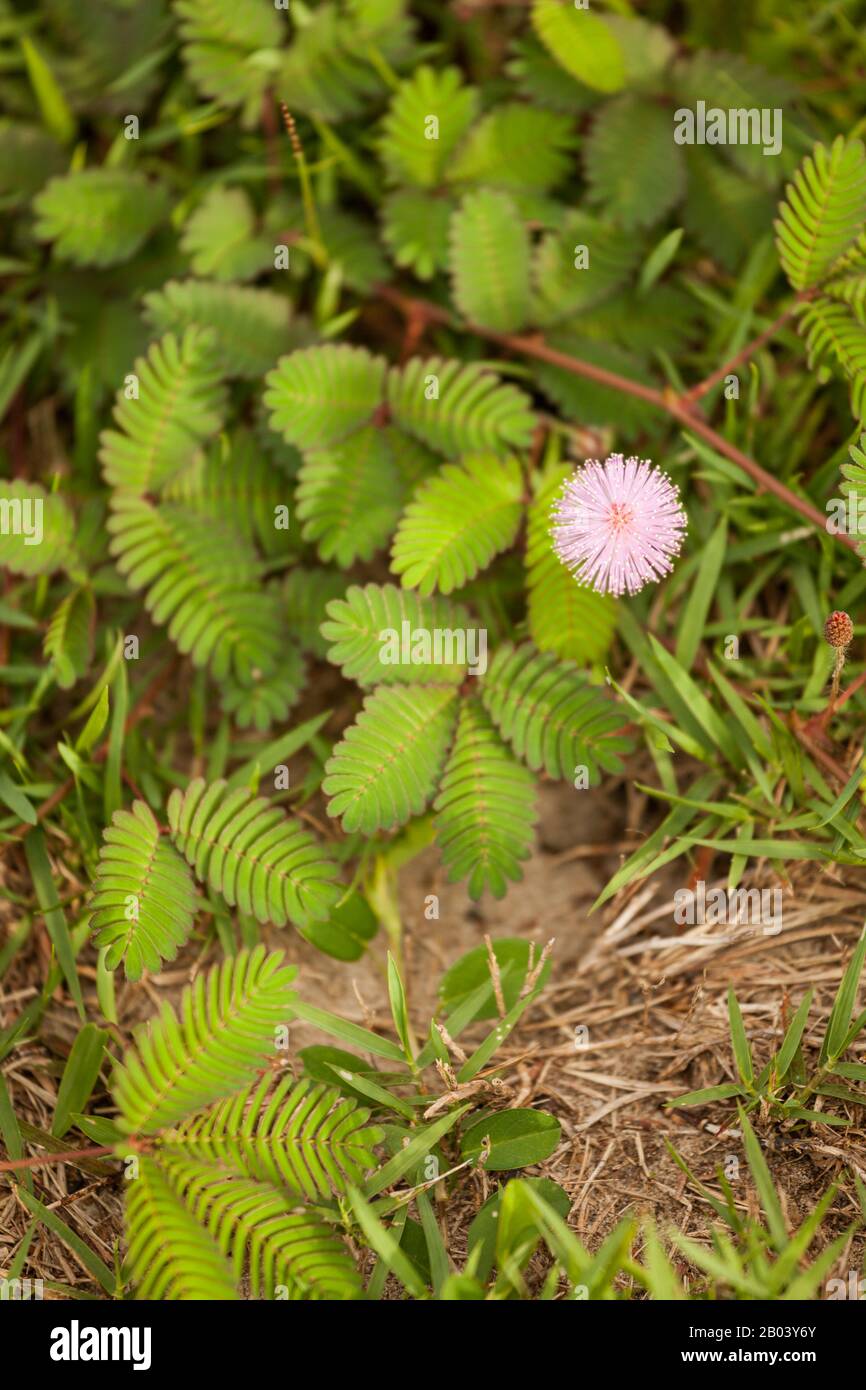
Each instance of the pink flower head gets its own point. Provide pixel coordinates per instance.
(618, 523)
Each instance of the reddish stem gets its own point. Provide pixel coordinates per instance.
(98, 1151)
(850, 690)
(703, 387)
(678, 407)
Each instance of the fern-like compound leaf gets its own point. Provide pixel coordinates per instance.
(383, 635)
(325, 73)
(99, 216)
(68, 643)
(581, 43)
(833, 333)
(854, 488)
(634, 170)
(223, 1035)
(203, 580)
(252, 854)
(739, 85)
(541, 81)
(266, 699)
(415, 227)
(647, 49)
(550, 714)
(142, 903)
(242, 24)
(221, 239)
(415, 150)
(566, 618)
(219, 37)
(174, 400)
(302, 1136)
(286, 1253)
(580, 264)
(517, 147)
(458, 521)
(171, 1254)
(235, 485)
(249, 328)
(459, 408)
(850, 288)
(36, 529)
(308, 594)
(489, 260)
(823, 212)
(485, 808)
(385, 769)
(319, 395)
(349, 497)
(726, 212)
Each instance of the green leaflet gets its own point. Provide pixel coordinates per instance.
(203, 581)
(142, 903)
(221, 240)
(457, 522)
(308, 594)
(298, 1135)
(99, 216)
(458, 408)
(266, 699)
(211, 1048)
(171, 1254)
(364, 625)
(241, 24)
(173, 401)
(542, 81)
(564, 617)
(288, 1253)
(219, 37)
(252, 853)
(485, 808)
(823, 211)
(724, 210)
(581, 264)
(319, 395)
(516, 147)
(37, 531)
(635, 171)
(385, 768)
(234, 484)
(489, 260)
(582, 43)
(414, 150)
(738, 83)
(68, 643)
(552, 717)
(415, 226)
(349, 497)
(325, 71)
(833, 332)
(249, 328)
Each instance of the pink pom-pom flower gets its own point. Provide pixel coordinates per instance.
(617, 524)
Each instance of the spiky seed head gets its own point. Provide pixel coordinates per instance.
(839, 630)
